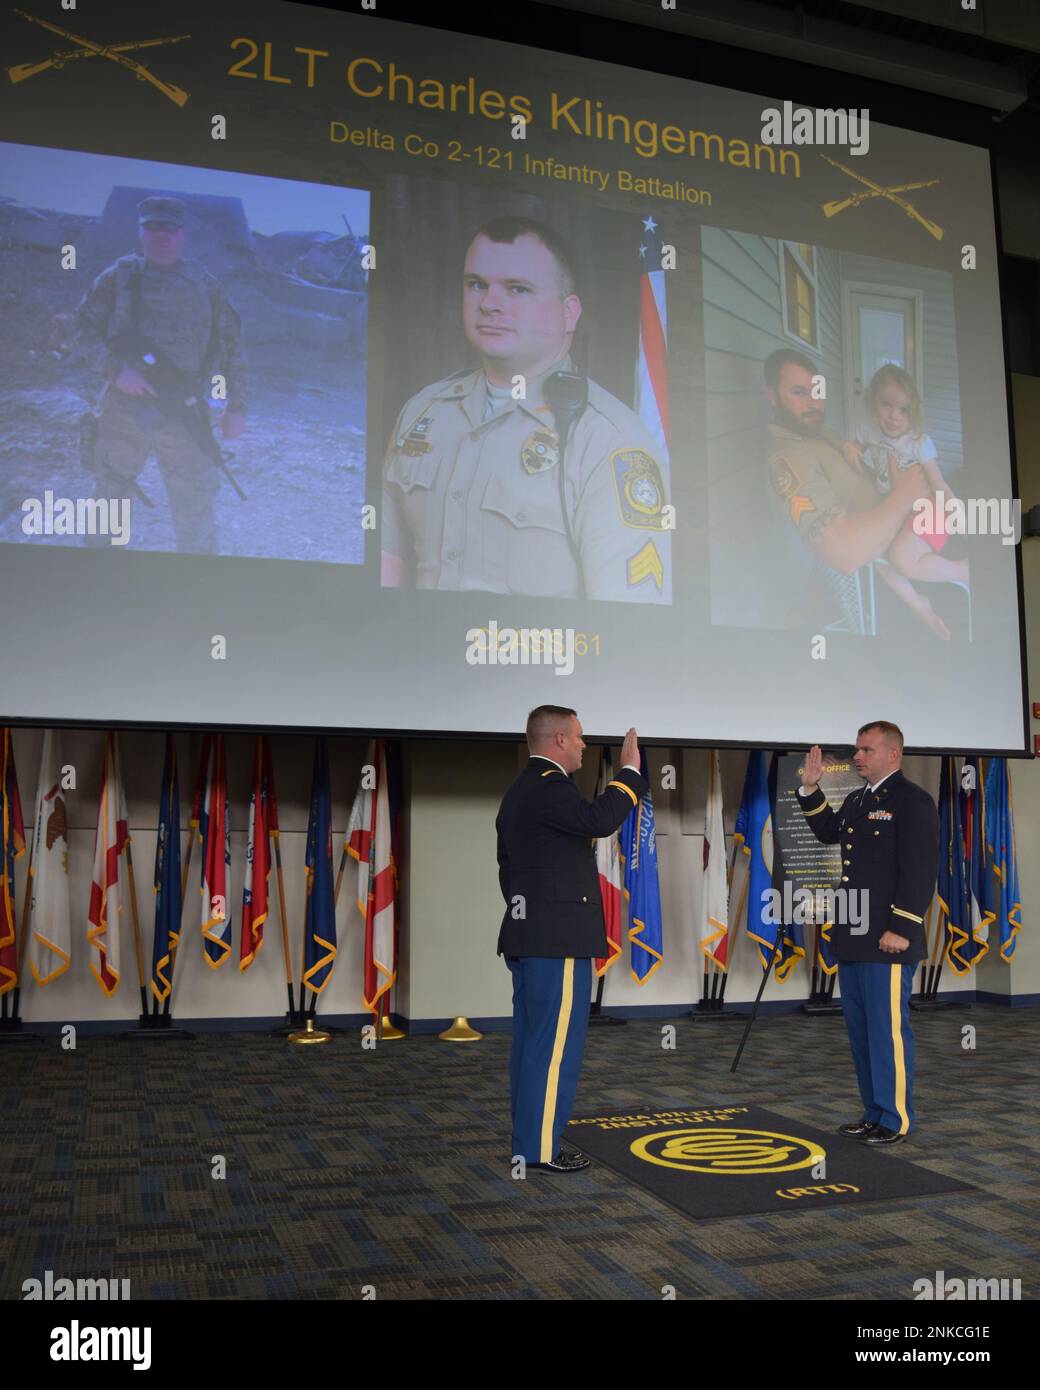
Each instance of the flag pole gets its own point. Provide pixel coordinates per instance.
(761, 989)
(193, 834)
(137, 927)
(23, 938)
(276, 835)
(344, 856)
(193, 829)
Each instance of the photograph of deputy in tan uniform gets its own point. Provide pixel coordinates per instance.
(471, 477)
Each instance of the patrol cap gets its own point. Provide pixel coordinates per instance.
(170, 211)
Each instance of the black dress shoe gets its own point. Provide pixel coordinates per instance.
(564, 1163)
(880, 1135)
(858, 1128)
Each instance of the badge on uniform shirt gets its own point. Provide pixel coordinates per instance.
(639, 487)
(880, 815)
(415, 442)
(539, 451)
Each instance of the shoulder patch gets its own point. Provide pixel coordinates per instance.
(639, 487)
(782, 477)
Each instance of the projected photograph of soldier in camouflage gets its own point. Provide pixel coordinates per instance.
(532, 437)
(199, 353)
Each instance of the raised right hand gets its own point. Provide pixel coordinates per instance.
(132, 383)
(813, 768)
(630, 749)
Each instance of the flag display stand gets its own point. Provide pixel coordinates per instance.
(460, 1031)
(596, 1014)
(821, 990)
(11, 1029)
(310, 1034)
(927, 1001)
(386, 1031)
(710, 1007)
(155, 1025)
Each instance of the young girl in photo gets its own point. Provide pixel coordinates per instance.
(894, 438)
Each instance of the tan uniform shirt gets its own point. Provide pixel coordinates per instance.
(815, 484)
(474, 504)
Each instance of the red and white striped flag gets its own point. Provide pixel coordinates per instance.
(50, 926)
(714, 885)
(106, 902)
(255, 902)
(652, 367)
(13, 848)
(369, 842)
(215, 833)
(608, 862)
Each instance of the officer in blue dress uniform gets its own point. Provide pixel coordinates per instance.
(553, 923)
(889, 838)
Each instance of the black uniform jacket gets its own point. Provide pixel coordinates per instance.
(889, 842)
(547, 860)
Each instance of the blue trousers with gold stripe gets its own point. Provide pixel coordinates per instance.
(875, 999)
(550, 1020)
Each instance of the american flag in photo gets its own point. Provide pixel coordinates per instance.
(652, 367)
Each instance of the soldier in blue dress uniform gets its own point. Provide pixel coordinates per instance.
(889, 838)
(553, 925)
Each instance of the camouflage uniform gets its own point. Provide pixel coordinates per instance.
(185, 312)
(473, 503)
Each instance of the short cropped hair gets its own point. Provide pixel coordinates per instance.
(892, 732)
(509, 228)
(777, 361)
(543, 722)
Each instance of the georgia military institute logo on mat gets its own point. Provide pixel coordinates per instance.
(744, 1152)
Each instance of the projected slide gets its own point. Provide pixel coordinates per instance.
(358, 376)
(212, 372)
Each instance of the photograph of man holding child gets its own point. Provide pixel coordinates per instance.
(835, 440)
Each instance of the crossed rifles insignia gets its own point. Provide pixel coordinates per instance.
(87, 48)
(874, 190)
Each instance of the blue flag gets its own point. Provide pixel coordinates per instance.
(319, 940)
(966, 953)
(952, 887)
(753, 835)
(167, 880)
(1002, 897)
(637, 845)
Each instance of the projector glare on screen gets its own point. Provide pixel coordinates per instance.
(359, 376)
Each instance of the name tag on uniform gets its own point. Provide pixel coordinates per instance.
(415, 443)
(880, 815)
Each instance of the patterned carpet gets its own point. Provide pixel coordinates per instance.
(347, 1169)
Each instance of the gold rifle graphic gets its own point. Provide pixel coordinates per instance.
(889, 194)
(116, 53)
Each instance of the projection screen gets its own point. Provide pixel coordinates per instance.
(363, 376)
